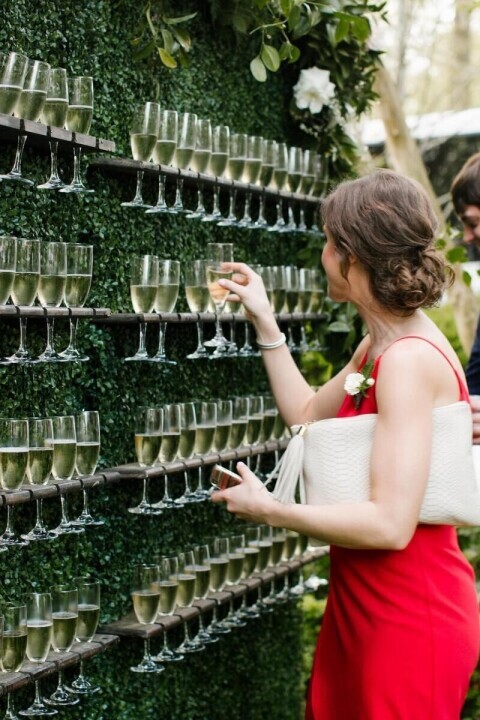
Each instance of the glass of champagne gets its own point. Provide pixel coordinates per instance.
(77, 288)
(143, 138)
(79, 120)
(64, 457)
(202, 587)
(64, 622)
(224, 425)
(182, 159)
(87, 428)
(217, 255)
(206, 415)
(240, 415)
(54, 113)
(217, 166)
(148, 439)
(188, 430)
(308, 176)
(143, 293)
(269, 159)
(51, 288)
(219, 562)
(39, 469)
(168, 449)
(146, 603)
(291, 301)
(294, 179)
(29, 105)
(163, 153)
(88, 616)
(279, 291)
(168, 569)
(198, 299)
(14, 645)
(236, 561)
(280, 172)
(200, 161)
(165, 301)
(13, 466)
(251, 550)
(187, 584)
(234, 171)
(39, 639)
(24, 290)
(251, 174)
(8, 264)
(13, 68)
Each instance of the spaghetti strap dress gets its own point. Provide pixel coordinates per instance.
(400, 635)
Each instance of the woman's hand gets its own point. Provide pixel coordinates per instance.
(247, 287)
(250, 500)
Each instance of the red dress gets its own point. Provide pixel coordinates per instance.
(400, 636)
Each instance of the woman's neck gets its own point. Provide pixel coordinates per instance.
(384, 327)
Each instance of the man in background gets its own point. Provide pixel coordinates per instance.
(466, 201)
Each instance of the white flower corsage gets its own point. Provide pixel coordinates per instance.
(314, 89)
(357, 384)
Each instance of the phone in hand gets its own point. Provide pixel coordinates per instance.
(222, 478)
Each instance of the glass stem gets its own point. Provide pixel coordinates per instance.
(200, 209)
(162, 328)
(63, 506)
(166, 492)
(22, 349)
(10, 712)
(161, 192)
(50, 327)
(261, 213)
(77, 153)
(246, 213)
(72, 343)
(145, 501)
(199, 487)
(200, 336)
(38, 697)
(178, 204)
(188, 489)
(39, 520)
(138, 191)
(85, 509)
(17, 165)
(9, 529)
(216, 201)
(54, 177)
(142, 348)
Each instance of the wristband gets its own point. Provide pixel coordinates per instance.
(273, 345)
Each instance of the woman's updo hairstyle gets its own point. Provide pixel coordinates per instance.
(386, 221)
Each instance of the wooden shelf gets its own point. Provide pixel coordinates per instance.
(121, 166)
(29, 672)
(132, 471)
(130, 627)
(155, 318)
(39, 134)
(28, 311)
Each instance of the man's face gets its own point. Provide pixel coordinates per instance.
(470, 218)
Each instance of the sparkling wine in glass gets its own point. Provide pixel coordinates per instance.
(77, 288)
(182, 159)
(51, 288)
(13, 68)
(165, 301)
(163, 153)
(64, 457)
(8, 262)
(218, 254)
(294, 179)
(148, 440)
(79, 120)
(217, 167)
(64, 628)
(146, 603)
(234, 171)
(251, 174)
(87, 428)
(171, 429)
(143, 293)
(188, 583)
(224, 425)
(88, 617)
(200, 162)
(24, 290)
(168, 573)
(206, 415)
(14, 645)
(198, 299)
(54, 113)
(143, 139)
(240, 415)
(219, 561)
(186, 446)
(39, 639)
(29, 105)
(13, 467)
(279, 181)
(39, 469)
(269, 159)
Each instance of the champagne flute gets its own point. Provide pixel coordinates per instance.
(217, 255)
(280, 172)
(88, 616)
(269, 159)
(306, 280)
(198, 299)
(146, 603)
(143, 293)
(219, 562)
(279, 290)
(200, 161)
(291, 301)
(87, 428)
(13, 466)
(201, 555)
(266, 428)
(13, 68)
(187, 586)
(148, 439)
(240, 415)
(308, 176)
(251, 173)
(64, 457)
(24, 291)
(8, 264)
(236, 559)
(51, 289)
(64, 628)
(79, 119)
(321, 180)
(163, 153)
(54, 113)
(77, 288)
(29, 105)
(234, 171)
(168, 569)
(143, 138)
(39, 469)
(39, 638)
(294, 178)
(290, 546)
(251, 550)
(247, 350)
(186, 141)
(224, 424)
(217, 166)
(206, 415)
(168, 449)
(165, 301)
(264, 545)
(14, 645)
(254, 424)
(188, 430)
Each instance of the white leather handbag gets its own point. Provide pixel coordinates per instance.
(331, 461)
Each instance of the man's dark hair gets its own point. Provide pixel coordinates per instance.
(466, 185)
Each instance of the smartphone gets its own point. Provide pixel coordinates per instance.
(222, 478)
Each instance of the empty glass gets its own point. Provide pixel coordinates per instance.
(143, 137)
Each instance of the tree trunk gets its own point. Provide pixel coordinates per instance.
(405, 157)
(460, 68)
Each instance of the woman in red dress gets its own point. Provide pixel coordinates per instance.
(400, 636)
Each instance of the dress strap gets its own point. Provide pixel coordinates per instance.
(463, 390)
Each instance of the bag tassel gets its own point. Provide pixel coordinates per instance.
(290, 470)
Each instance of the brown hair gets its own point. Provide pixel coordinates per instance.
(386, 221)
(466, 185)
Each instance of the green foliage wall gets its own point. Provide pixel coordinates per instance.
(253, 673)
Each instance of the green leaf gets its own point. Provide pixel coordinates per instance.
(270, 57)
(168, 40)
(167, 59)
(286, 6)
(145, 52)
(294, 53)
(294, 18)
(342, 31)
(240, 23)
(339, 326)
(467, 278)
(258, 70)
(284, 52)
(457, 254)
(183, 38)
(177, 20)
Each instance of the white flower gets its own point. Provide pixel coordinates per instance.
(353, 383)
(313, 89)
(370, 382)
